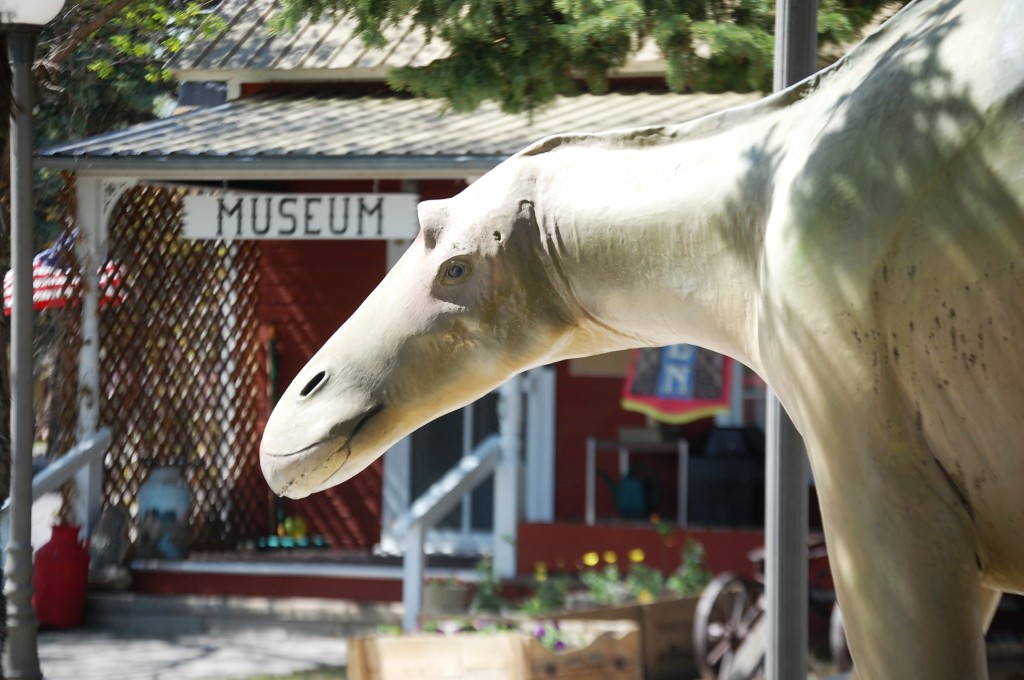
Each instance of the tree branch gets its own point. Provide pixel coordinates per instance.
(56, 57)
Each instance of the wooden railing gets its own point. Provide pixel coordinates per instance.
(427, 510)
(55, 475)
(499, 455)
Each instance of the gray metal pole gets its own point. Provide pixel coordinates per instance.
(796, 41)
(786, 473)
(22, 658)
(785, 547)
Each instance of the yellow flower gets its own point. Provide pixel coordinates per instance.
(591, 559)
(636, 555)
(644, 596)
(610, 557)
(540, 571)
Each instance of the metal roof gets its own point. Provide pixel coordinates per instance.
(328, 45)
(324, 135)
(323, 50)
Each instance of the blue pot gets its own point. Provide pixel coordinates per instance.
(165, 503)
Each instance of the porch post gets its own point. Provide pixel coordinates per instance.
(395, 490)
(786, 474)
(96, 198)
(412, 575)
(539, 444)
(507, 477)
(89, 479)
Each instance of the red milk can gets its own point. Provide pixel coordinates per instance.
(60, 579)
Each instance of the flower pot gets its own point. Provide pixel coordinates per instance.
(60, 579)
(445, 598)
(164, 506)
(666, 630)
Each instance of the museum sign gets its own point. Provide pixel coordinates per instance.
(247, 216)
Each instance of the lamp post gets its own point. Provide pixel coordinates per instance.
(796, 47)
(21, 21)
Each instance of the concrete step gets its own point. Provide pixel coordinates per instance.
(172, 615)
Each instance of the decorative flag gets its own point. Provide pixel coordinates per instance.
(678, 384)
(50, 282)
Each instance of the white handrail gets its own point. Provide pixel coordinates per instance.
(436, 502)
(55, 474)
(443, 495)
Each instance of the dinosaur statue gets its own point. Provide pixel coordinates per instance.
(856, 239)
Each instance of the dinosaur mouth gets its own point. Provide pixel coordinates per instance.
(299, 473)
(360, 424)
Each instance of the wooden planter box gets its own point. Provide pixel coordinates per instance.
(666, 631)
(439, 600)
(491, 656)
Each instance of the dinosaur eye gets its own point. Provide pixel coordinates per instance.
(456, 270)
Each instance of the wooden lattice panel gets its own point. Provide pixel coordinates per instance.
(57, 333)
(179, 364)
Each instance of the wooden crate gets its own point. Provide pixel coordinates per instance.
(491, 656)
(666, 630)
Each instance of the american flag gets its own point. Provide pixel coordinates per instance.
(50, 286)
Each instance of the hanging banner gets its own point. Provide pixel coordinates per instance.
(678, 384)
(292, 217)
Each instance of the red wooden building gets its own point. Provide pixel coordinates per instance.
(294, 146)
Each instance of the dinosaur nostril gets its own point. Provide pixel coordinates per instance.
(313, 384)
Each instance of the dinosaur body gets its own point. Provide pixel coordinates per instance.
(858, 240)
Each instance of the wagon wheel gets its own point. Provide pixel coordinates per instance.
(727, 610)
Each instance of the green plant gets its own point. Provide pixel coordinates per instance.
(644, 583)
(551, 636)
(548, 595)
(691, 576)
(487, 597)
(604, 586)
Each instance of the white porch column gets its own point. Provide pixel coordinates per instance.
(413, 566)
(507, 478)
(540, 445)
(96, 199)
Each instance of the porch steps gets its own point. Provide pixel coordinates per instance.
(317, 574)
(174, 615)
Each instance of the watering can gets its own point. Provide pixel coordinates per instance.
(635, 496)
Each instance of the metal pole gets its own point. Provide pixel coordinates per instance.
(785, 547)
(786, 473)
(796, 41)
(22, 658)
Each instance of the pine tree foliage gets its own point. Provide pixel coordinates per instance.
(523, 53)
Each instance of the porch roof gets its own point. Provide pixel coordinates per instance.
(336, 136)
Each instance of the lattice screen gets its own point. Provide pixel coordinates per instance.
(180, 359)
(57, 352)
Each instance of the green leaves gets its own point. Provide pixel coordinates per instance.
(523, 53)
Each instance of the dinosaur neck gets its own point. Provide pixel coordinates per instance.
(661, 243)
